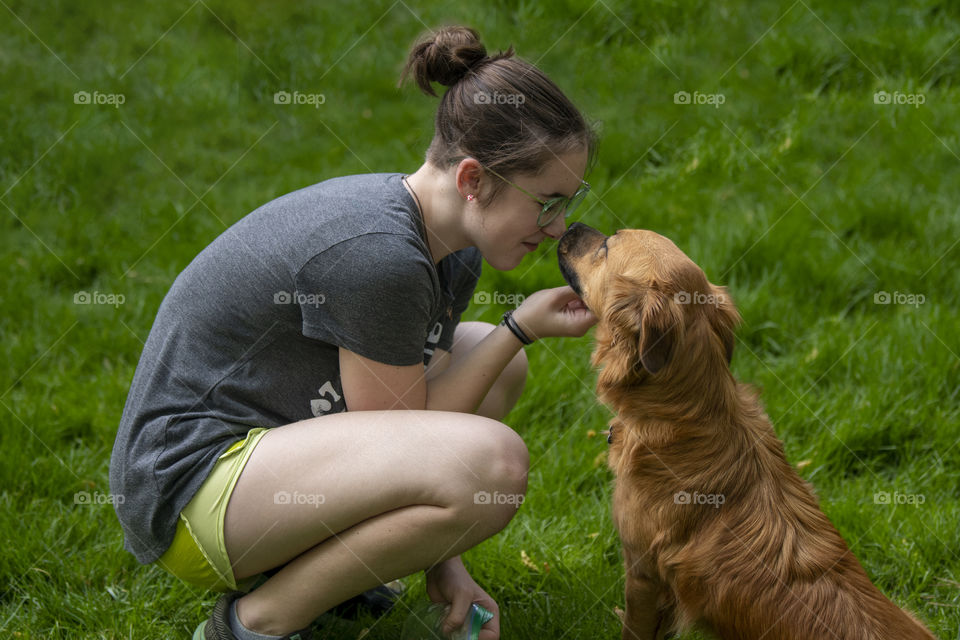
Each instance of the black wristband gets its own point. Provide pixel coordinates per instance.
(510, 323)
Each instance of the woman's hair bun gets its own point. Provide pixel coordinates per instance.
(446, 56)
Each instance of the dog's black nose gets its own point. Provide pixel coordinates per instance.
(577, 227)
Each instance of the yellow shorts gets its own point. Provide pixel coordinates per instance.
(198, 554)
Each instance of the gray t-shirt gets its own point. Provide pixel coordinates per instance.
(248, 335)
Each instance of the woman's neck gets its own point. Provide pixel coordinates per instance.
(442, 209)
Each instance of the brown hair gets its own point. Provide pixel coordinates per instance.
(500, 110)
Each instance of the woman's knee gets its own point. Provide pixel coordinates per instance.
(512, 453)
(496, 454)
(495, 465)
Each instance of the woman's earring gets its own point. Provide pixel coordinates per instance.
(470, 197)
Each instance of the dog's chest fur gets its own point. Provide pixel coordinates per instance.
(645, 487)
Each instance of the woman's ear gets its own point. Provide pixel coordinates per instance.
(469, 174)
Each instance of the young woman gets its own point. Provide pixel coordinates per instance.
(309, 406)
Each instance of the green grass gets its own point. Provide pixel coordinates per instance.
(799, 192)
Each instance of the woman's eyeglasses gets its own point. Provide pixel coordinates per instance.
(554, 206)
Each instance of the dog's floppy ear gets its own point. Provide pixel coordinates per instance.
(639, 328)
(725, 319)
(660, 323)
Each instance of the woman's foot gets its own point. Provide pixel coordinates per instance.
(224, 625)
(376, 601)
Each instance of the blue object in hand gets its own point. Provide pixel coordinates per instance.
(425, 622)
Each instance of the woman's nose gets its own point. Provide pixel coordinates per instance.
(556, 227)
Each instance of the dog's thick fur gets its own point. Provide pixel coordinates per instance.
(717, 528)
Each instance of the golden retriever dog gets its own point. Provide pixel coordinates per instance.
(718, 530)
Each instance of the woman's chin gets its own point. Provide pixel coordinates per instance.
(502, 262)
(506, 260)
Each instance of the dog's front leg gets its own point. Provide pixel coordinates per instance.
(642, 617)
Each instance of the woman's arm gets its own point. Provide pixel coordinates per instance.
(369, 385)
(463, 386)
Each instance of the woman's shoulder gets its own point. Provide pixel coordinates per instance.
(342, 195)
(387, 258)
(373, 211)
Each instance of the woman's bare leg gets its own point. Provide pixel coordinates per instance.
(369, 497)
(373, 496)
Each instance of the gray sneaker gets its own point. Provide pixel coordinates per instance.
(217, 627)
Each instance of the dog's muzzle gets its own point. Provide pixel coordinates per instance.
(575, 242)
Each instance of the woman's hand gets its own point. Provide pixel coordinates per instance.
(556, 312)
(449, 582)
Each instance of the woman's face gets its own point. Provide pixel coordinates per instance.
(506, 230)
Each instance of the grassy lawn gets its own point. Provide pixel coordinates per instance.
(782, 171)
